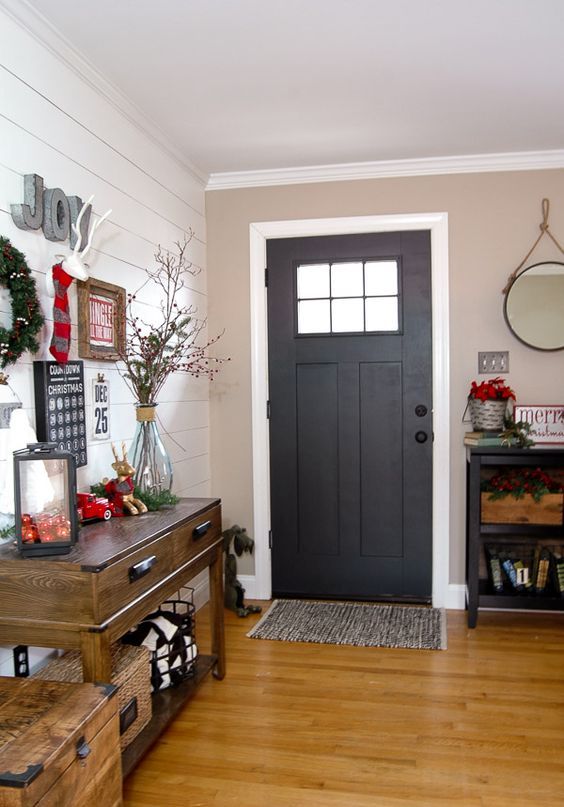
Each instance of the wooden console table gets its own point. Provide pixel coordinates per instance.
(119, 571)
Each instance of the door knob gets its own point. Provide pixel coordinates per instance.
(421, 437)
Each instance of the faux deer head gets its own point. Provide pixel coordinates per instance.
(122, 466)
(73, 264)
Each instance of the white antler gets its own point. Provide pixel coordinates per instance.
(95, 226)
(73, 264)
(76, 227)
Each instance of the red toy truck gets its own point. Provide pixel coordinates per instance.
(91, 506)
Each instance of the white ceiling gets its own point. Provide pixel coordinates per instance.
(241, 85)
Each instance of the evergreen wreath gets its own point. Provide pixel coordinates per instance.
(27, 318)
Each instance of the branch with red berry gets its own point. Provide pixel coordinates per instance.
(175, 342)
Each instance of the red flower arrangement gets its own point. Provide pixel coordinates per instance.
(516, 482)
(493, 390)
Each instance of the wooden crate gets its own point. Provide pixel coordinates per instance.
(59, 744)
(522, 511)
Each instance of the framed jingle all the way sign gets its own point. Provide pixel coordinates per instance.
(101, 320)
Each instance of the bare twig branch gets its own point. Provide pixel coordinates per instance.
(153, 352)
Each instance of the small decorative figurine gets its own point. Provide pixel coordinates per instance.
(120, 490)
(92, 507)
(30, 533)
(234, 591)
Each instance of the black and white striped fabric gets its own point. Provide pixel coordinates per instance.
(169, 638)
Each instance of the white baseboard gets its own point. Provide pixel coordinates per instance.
(249, 583)
(456, 596)
(455, 600)
(201, 587)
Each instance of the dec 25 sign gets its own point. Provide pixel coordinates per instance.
(100, 410)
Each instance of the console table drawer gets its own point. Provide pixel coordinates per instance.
(58, 740)
(124, 581)
(196, 535)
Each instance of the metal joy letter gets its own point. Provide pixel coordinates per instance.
(51, 210)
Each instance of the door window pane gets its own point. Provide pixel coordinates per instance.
(346, 280)
(381, 313)
(349, 297)
(314, 316)
(347, 315)
(381, 278)
(313, 280)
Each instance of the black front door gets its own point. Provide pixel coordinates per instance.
(349, 333)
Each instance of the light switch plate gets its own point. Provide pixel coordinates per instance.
(493, 361)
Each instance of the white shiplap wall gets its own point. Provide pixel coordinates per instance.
(56, 124)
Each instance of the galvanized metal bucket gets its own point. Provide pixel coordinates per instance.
(487, 415)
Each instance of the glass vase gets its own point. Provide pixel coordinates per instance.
(153, 468)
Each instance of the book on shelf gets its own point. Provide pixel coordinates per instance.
(559, 572)
(494, 569)
(541, 568)
(493, 440)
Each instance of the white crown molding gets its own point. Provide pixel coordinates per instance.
(472, 163)
(44, 32)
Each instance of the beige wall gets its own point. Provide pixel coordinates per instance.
(493, 221)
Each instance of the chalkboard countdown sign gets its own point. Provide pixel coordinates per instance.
(59, 406)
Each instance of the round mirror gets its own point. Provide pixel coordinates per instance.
(534, 306)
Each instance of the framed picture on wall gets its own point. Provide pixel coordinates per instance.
(101, 319)
(546, 420)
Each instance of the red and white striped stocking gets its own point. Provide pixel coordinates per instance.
(60, 341)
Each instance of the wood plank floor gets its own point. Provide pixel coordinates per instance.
(478, 725)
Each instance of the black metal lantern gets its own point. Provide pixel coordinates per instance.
(45, 500)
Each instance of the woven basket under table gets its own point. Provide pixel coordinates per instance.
(131, 673)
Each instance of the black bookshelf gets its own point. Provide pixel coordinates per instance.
(480, 592)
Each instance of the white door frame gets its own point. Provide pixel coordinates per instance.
(261, 586)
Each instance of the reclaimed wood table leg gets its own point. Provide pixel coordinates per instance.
(216, 612)
(96, 657)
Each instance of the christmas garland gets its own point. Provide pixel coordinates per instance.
(153, 501)
(27, 318)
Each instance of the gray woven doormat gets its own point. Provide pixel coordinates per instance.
(353, 623)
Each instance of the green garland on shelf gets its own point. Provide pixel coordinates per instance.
(153, 501)
(156, 501)
(27, 319)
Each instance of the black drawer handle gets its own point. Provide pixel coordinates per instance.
(142, 568)
(82, 748)
(128, 715)
(201, 529)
